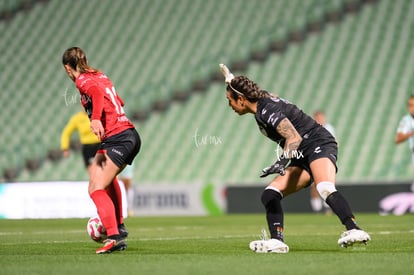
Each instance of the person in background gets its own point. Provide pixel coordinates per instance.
(90, 143)
(316, 202)
(405, 130)
(126, 177)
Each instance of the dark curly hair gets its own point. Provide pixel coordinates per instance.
(243, 86)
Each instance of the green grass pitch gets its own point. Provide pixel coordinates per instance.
(208, 245)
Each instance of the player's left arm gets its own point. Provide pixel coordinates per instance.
(292, 138)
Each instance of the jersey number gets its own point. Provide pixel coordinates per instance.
(112, 94)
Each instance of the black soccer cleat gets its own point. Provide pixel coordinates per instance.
(123, 231)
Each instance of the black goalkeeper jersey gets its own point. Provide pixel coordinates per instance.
(270, 111)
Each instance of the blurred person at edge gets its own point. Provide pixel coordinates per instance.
(405, 130)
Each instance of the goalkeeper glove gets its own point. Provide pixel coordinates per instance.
(279, 167)
(226, 72)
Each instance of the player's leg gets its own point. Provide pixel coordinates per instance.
(324, 172)
(114, 190)
(104, 171)
(130, 195)
(126, 177)
(120, 150)
(115, 193)
(294, 180)
(315, 200)
(88, 154)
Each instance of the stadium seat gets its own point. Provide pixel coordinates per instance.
(353, 70)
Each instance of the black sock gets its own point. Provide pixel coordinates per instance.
(274, 213)
(341, 208)
(116, 237)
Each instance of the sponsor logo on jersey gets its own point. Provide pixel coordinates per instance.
(117, 152)
(272, 119)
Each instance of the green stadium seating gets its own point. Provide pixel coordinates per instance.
(356, 70)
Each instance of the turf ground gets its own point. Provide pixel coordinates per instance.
(208, 245)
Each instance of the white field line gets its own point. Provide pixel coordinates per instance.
(166, 238)
(137, 239)
(20, 233)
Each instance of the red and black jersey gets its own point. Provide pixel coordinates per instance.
(101, 101)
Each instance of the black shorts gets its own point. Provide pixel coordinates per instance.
(88, 152)
(319, 145)
(123, 147)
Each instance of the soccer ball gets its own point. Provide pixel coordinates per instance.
(96, 229)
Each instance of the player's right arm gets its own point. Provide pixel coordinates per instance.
(401, 137)
(404, 131)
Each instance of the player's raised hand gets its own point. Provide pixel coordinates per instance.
(226, 73)
(97, 128)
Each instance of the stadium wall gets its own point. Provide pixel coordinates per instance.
(383, 198)
(69, 199)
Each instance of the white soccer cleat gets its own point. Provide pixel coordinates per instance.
(350, 237)
(226, 72)
(266, 245)
(269, 246)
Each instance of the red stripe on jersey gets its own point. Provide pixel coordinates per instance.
(101, 151)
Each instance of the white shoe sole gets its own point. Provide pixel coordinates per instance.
(354, 237)
(268, 247)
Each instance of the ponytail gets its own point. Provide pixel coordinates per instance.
(75, 57)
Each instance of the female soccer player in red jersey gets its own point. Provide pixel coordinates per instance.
(120, 143)
(309, 154)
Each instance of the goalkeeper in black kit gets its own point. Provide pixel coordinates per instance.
(309, 154)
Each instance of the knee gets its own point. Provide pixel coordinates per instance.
(94, 186)
(91, 188)
(325, 188)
